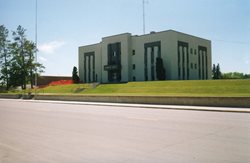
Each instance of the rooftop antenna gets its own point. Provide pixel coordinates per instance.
(143, 15)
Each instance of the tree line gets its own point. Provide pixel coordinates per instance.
(217, 74)
(17, 59)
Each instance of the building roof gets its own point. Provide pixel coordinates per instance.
(151, 33)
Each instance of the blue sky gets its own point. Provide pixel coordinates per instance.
(64, 25)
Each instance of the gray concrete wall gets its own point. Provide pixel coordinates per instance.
(164, 100)
(195, 101)
(10, 96)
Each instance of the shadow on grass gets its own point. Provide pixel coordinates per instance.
(78, 90)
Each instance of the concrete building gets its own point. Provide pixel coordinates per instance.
(124, 57)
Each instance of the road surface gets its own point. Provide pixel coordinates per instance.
(52, 132)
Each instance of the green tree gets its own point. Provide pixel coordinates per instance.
(75, 76)
(17, 59)
(5, 57)
(32, 67)
(216, 73)
(15, 75)
(247, 76)
(234, 75)
(23, 65)
(160, 70)
(19, 54)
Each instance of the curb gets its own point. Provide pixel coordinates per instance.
(148, 106)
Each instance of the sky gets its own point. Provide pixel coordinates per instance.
(64, 25)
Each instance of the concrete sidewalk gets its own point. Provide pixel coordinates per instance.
(150, 106)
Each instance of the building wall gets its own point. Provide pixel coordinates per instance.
(97, 70)
(166, 51)
(193, 47)
(185, 57)
(125, 40)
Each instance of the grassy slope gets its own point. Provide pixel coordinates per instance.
(65, 89)
(160, 88)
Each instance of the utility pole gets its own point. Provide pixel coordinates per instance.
(36, 45)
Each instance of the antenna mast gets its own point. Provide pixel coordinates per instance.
(143, 15)
(36, 44)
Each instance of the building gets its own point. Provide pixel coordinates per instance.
(124, 57)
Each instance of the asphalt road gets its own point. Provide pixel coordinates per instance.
(49, 132)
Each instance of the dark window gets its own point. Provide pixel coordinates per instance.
(134, 78)
(114, 62)
(133, 52)
(195, 66)
(183, 59)
(89, 76)
(203, 64)
(194, 51)
(151, 57)
(199, 64)
(191, 51)
(133, 66)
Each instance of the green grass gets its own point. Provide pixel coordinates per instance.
(227, 88)
(177, 88)
(64, 89)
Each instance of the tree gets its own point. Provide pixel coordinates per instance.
(18, 67)
(160, 70)
(75, 76)
(247, 76)
(20, 57)
(23, 52)
(5, 57)
(216, 73)
(235, 75)
(32, 67)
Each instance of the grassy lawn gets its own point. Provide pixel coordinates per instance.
(235, 88)
(159, 88)
(64, 89)
(177, 88)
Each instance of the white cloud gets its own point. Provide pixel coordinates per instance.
(50, 47)
(42, 59)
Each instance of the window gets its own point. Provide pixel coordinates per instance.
(133, 52)
(133, 66)
(194, 51)
(191, 51)
(134, 78)
(195, 66)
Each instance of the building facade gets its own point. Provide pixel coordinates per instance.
(124, 58)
